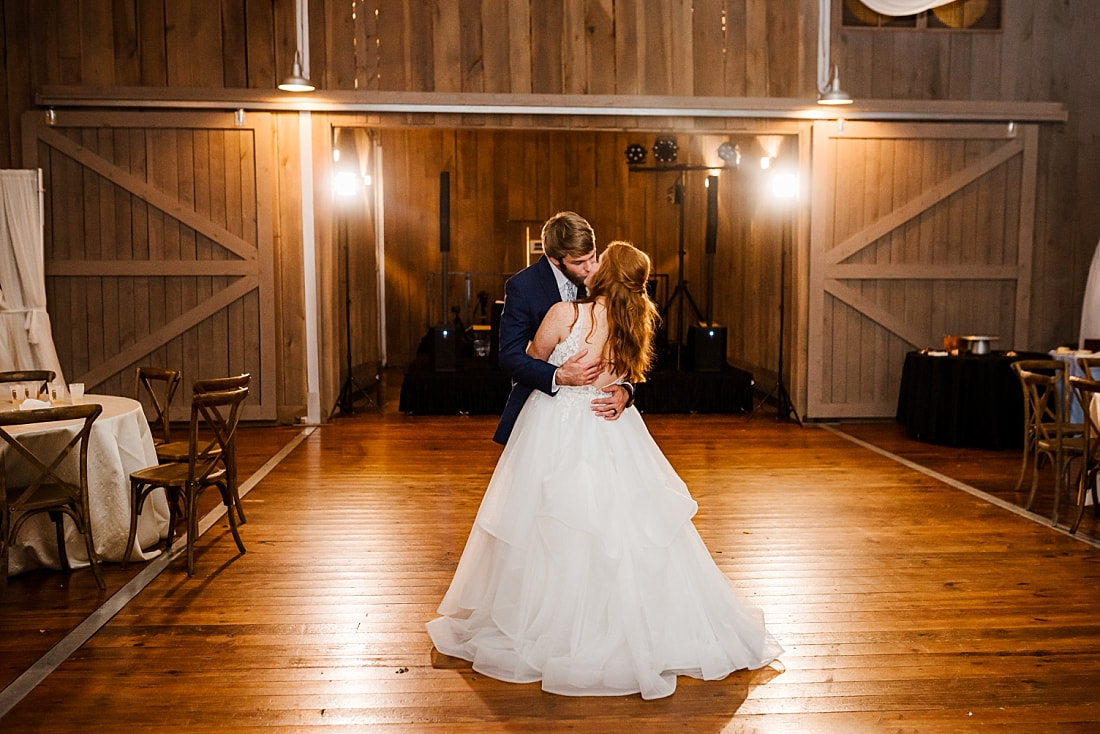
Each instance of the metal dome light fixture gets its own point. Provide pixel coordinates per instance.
(298, 81)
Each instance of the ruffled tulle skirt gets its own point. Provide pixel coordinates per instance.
(584, 570)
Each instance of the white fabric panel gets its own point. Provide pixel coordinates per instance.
(26, 338)
(1090, 310)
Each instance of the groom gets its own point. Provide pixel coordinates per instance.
(569, 249)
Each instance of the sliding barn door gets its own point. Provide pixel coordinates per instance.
(159, 247)
(918, 231)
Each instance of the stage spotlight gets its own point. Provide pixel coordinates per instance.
(665, 150)
(635, 154)
(731, 154)
(784, 185)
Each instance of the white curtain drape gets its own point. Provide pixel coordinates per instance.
(1090, 311)
(26, 338)
(903, 7)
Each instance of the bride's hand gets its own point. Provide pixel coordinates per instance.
(612, 406)
(578, 371)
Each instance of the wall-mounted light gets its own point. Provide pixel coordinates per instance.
(51, 116)
(238, 117)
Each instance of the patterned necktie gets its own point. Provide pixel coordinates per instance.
(570, 291)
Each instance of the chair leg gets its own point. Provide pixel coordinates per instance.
(93, 560)
(136, 502)
(192, 502)
(1034, 484)
(232, 479)
(62, 551)
(1028, 450)
(227, 498)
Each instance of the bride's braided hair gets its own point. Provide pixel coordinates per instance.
(631, 314)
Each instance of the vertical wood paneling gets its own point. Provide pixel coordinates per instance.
(233, 44)
(521, 59)
(599, 44)
(152, 43)
(495, 55)
(547, 27)
(708, 48)
(260, 39)
(449, 73)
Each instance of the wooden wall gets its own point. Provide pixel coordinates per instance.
(727, 48)
(506, 183)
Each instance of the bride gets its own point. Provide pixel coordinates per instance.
(583, 568)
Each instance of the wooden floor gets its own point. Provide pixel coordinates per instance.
(905, 603)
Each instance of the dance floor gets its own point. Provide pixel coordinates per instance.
(909, 589)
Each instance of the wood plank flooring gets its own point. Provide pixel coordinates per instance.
(904, 604)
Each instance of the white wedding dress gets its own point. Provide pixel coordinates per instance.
(583, 568)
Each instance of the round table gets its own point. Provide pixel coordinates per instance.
(119, 443)
(969, 400)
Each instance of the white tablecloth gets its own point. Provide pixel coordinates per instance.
(120, 443)
(1076, 415)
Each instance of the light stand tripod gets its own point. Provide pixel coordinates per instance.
(784, 408)
(681, 291)
(346, 402)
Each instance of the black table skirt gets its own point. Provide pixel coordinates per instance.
(478, 387)
(972, 400)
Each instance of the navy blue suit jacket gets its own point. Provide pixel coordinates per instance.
(528, 295)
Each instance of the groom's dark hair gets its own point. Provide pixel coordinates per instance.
(567, 233)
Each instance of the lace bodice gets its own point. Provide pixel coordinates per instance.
(567, 347)
(569, 396)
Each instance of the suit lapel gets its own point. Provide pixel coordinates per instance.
(548, 283)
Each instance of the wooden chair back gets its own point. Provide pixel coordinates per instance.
(214, 419)
(160, 386)
(42, 378)
(1046, 405)
(1086, 391)
(215, 384)
(51, 488)
(1090, 366)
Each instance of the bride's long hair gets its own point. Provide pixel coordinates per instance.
(631, 315)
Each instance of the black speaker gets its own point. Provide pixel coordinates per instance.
(712, 214)
(444, 211)
(707, 347)
(494, 335)
(445, 341)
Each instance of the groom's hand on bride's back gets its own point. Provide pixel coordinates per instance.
(579, 370)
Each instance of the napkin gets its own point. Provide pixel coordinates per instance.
(33, 404)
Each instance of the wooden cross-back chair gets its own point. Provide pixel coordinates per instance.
(1090, 366)
(213, 424)
(51, 487)
(160, 386)
(1047, 432)
(1086, 392)
(42, 378)
(177, 450)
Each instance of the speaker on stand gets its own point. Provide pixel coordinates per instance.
(445, 340)
(707, 340)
